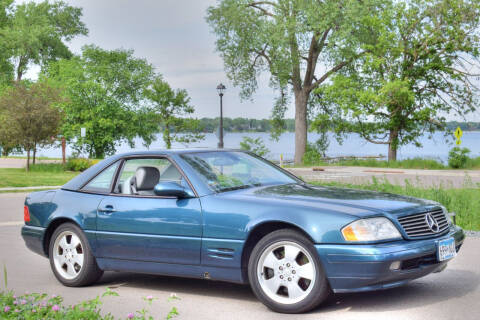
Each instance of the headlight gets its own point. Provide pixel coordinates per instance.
(371, 229)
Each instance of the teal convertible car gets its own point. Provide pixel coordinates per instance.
(232, 216)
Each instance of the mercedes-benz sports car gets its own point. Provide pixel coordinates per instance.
(232, 216)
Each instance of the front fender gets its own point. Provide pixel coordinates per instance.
(227, 217)
(321, 227)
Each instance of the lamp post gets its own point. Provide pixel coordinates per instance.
(220, 89)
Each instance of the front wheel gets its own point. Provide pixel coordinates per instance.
(71, 259)
(286, 274)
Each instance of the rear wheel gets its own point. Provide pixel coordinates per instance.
(286, 274)
(70, 256)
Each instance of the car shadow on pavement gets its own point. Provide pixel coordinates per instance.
(177, 285)
(452, 283)
(432, 289)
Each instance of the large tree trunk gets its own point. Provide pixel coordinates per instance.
(34, 154)
(301, 99)
(28, 160)
(393, 145)
(98, 153)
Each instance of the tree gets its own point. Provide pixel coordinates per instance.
(35, 33)
(29, 116)
(105, 91)
(171, 108)
(6, 66)
(290, 39)
(255, 145)
(421, 69)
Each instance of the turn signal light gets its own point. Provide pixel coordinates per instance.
(349, 234)
(26, 214)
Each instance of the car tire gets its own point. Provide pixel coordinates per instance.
(71, 258)
(286, 274)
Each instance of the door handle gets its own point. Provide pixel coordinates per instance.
(107, 209)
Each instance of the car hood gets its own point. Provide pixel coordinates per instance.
(350, 201)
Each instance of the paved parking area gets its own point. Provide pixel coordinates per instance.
(452, 294)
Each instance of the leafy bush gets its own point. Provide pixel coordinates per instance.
(312, 155)
(34, 306)
(79, 164)
(458, 157)
(256, 146)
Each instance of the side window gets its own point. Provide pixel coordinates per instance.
(103, 181)
(140, 176)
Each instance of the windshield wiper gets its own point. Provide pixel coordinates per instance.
(243, 186)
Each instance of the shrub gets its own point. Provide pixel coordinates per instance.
(312, 156)
(458, 157)
(41, 306)
(79, 164)
(256, 146)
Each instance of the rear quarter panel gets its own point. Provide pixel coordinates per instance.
(47, 208)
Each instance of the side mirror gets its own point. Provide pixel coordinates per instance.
(172, 189)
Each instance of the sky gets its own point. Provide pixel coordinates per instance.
(174, 36)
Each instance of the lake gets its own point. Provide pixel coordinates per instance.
(435, 148)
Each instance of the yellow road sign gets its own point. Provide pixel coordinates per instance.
(458, 133)
(458, 142)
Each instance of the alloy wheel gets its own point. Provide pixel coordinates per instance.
(286, 272)
(68, 255)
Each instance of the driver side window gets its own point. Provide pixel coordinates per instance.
(140, 176)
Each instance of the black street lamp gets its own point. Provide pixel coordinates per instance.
(221, 88)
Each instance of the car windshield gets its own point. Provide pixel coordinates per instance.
(229, 170)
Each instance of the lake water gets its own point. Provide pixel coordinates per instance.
(435, 148)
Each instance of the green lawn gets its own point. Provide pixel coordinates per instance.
(20, 178)
(25, 157)
(415, 163)
(464, 202)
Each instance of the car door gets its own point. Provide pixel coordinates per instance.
(134, 224)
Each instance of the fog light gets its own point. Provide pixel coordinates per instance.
(395, 265)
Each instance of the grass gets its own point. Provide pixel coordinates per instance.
(47, 167)
(24, 190)
(39, 175)
(465, 202)
(415, 163)
(473, 163)
(25, 157)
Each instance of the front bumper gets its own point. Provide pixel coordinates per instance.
(356, 268)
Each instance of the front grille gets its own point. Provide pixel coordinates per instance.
(415, 225)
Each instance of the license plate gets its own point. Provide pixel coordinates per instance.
(446, 249)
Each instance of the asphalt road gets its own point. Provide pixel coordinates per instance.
(452, 294)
